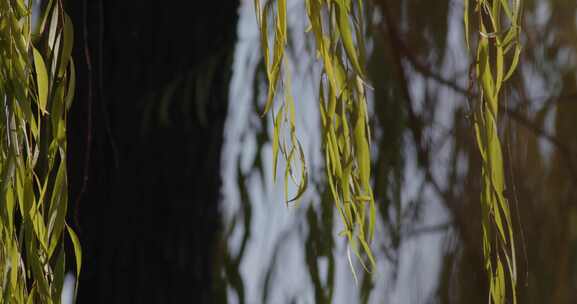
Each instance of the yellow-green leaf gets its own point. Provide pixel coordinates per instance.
(41, 80)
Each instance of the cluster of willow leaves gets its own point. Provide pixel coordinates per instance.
(36, 88)
(338, 28)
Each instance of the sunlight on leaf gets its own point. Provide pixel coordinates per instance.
(343, 111)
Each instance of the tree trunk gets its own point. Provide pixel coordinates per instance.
(152, 92)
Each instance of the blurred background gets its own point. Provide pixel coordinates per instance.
(180, 200)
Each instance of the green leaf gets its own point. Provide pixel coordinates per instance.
(77, 254)
(41, 80)
(514, 63)
(58, 207)
(59, 274)
(346, 35)
(466, 22)
(68, 42)
(70, 91)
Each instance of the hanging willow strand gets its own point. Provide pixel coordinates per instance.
(336, 26)
(498, 52)
(37, 81)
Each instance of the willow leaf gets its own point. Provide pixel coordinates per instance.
(68, 42)
(41, 80)
(346, 35)
(77, 253)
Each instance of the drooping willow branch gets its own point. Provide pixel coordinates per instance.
(498, 51)
(336, 26)
(36, 89)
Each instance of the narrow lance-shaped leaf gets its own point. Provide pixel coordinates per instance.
(41, 80)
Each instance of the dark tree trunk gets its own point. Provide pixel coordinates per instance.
(152, 88)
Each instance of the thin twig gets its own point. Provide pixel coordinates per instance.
(429, 229)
